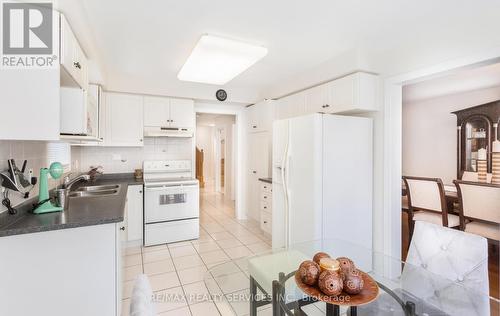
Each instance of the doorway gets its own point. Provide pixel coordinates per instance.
(215, 155)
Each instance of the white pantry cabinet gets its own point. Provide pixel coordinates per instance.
(74, 63)
(168, 112)
(64, 272)
(133, 223)
(123, 120)
(260, 116)
(258, 158)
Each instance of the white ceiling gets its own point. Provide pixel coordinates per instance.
(466, 80)
(141, 45)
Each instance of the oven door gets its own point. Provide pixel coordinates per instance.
(167, 203)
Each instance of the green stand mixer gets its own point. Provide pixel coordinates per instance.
(44, 205)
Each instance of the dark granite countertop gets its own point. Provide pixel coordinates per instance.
(268, 180)
(81, 211)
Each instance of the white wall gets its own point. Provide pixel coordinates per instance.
(430, 133)
(205, 136)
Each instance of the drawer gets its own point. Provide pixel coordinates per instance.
(167, 232)
(266, 196)
(266, 187)
(266, 206)
(266, 222)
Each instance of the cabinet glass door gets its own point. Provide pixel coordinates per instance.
(475, 136)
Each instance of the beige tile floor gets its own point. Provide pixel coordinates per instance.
(180, 268)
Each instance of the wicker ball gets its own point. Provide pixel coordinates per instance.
(346, 265)
(353, 282)
(330, 283)
(320, 255)
(309, 272)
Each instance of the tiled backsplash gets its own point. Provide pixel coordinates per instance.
(127, 159)
(35, 152)
(112, 159)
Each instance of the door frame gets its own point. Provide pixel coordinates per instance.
(239, 141)
(393, 105)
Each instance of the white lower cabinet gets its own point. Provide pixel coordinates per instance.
(266, 202)
(133, 223)
(74, 271)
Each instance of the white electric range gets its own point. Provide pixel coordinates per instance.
(171, 202)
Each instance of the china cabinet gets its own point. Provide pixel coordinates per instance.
(476, 130)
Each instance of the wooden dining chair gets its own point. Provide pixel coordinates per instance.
(427, 202)
(480, 205)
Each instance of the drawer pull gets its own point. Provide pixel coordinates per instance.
(265, 222)
(265, 207)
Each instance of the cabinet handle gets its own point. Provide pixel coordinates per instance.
(254, 172)
(77, 65)
(140, 140)
(326, 106)
(122, 228)
(265, 197)
(265, 207)
(254, 126)
(140, 191)
(265, 222)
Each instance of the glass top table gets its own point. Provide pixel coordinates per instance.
(265, 285)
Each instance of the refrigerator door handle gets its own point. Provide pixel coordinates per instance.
(284, 179)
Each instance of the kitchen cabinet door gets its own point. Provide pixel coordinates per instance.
(135, 222)
(316, 99)
(251, 113)
(182, 113)
(72, 59)
(291, 106)
(258, 167)
(124, 120)
(355, 93)
(156, 111)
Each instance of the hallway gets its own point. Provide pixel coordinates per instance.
(180, 268)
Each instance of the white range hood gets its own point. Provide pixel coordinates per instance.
(157, 131)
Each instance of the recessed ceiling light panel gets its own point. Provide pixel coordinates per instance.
(217, 60)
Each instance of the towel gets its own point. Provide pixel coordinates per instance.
(141, 301)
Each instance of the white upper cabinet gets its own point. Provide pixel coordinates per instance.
(124, 120)
(316, 99)
(74, 63)
(168, 112)
(291, 106)
(260, 116)
(156, 111)
(355, 93)
(182, 113)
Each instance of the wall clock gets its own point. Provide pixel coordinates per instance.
(221, 95)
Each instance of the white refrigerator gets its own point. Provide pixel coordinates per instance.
(322, 179)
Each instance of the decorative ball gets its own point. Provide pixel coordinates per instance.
(346, 265)
(353, 282)
(56, 170)
(309, 272)
(320, 255)
(330, 283)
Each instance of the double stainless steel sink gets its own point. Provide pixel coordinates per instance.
(95, 191)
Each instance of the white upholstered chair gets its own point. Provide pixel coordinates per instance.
(453, 255)
(480, 204)
(446, 274)
(427, 202)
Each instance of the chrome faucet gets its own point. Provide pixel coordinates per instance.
(69, 183)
